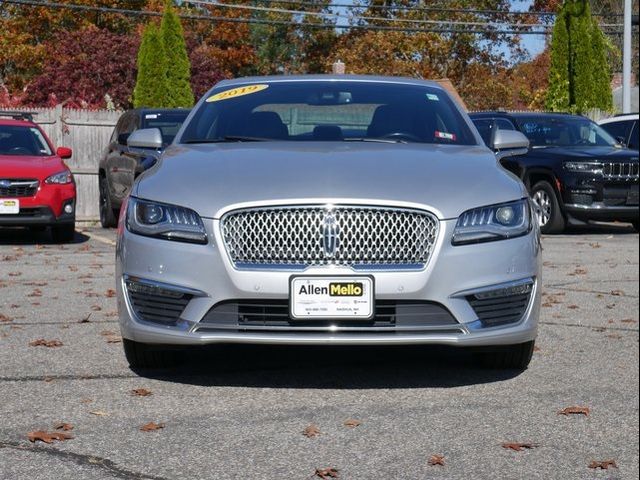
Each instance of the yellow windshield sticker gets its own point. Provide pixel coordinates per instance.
(237, 92)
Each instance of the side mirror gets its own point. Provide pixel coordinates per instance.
(507, 143)
(122, 138)
(146, 138)
(64, 152)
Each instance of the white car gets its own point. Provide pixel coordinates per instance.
(624, 128)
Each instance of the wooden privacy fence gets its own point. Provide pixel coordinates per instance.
(87, 132)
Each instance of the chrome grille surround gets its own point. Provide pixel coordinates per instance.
(362, 237)
(620, 171)
(15, 187)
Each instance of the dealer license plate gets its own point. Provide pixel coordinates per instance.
(9, 206)
(320, 297)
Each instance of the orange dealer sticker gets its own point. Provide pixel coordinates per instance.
(237, 92)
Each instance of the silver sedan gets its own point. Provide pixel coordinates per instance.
(340, 210)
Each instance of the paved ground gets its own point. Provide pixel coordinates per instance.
(239, 412)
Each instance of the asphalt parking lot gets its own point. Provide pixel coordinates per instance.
(240, 412)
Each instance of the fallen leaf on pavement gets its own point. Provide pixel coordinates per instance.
(573, 307)
(110, 293)
(99, 413)
(325, 473)
(141, 392)
(96, 308)
(518, 447)
(604, 465)
(107, 333)
(575, 411)
(36, 293)
(617, 293)
(629, 320)
(352, 423)
(73, 268)
(41, 342)
(5, 318)
(151, 426)
(436, 460)
(48, 437)
(63, 426)
(114, 339)
(15, 274)
(311, 431)
(85, 319)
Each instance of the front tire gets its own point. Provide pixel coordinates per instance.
(550, 218)
(142, 355)
(63, 233)
(515, 357)
(107, 214)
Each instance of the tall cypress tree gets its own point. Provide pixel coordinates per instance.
(179, 93)
(579, 77)
(151, 84)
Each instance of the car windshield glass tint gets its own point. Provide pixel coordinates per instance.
(168, 123)
(564, 132)
(18, 140)
(328, 111)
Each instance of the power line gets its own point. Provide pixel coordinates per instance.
(244, 20)
(367, 18)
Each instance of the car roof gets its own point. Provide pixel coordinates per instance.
(619, 118)
(502, 113)
(16, 123)
(145, 110)
(327, 78)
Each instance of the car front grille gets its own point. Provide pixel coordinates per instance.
(361, 237)
(504, 307)
(264, 315)
(12, 187)
(620, 171)
(156, 304)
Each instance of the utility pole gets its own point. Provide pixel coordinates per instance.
(626, 59)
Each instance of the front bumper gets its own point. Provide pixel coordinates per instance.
(206, 272)
(45, 208)
(586, 198)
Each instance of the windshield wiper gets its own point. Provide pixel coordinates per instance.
(227, 139)
(374, 140)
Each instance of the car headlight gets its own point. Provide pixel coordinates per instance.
(584, 167)
(60, 178)
(170, 222)
(494, 222)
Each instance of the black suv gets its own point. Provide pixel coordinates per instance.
(574, 170)
(121, 165)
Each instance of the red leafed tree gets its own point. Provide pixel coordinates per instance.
(86, 66)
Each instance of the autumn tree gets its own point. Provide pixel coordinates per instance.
(84, 66)
(579, 74)
(179, 93)
(151, 82)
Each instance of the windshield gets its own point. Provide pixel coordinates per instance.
(18, 140)
(564, 132)
(328, 111)
(168, 122)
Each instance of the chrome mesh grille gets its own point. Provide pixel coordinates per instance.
(620, 171)
(337, 235)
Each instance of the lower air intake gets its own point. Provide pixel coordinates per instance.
(501, 306)
(156, 304)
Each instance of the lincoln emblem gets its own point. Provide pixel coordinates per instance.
(329, 231)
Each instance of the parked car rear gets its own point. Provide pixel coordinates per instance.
(575, 171)
(37, 188)
(120, 164)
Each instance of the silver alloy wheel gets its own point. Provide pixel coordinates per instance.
(543, 204)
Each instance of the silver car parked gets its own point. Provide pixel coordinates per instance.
(328, 210)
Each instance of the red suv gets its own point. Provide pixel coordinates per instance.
(37, 189)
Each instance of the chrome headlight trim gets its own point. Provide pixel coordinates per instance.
(583, 167)
(161, 220)
(493, 222)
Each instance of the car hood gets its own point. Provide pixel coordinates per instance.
(25, 166)
(607, 154)
(213, 178)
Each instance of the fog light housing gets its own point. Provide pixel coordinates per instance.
(68, 208)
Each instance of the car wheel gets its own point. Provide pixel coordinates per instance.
(142, 355)
(507, 357)
(550, 217)
(107, 215)
(63, 233)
